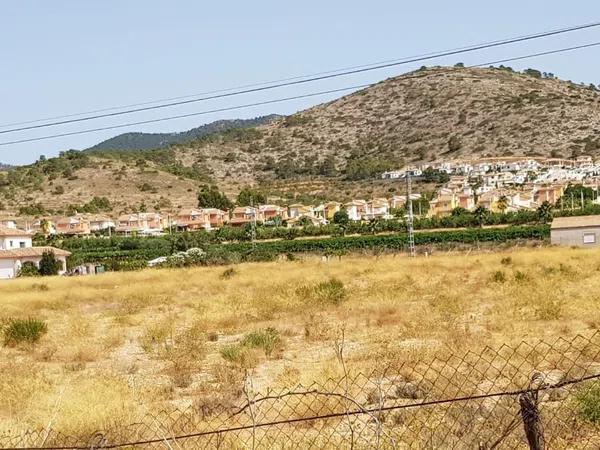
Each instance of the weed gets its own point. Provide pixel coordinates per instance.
(228, 273)
(506, 261)
(332, 292)
(499, 277)
(521, 277)
(24, 331)
(267, 340)
(588, 403)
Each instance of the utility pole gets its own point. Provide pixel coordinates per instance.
(582, 198)
(253, 224)
(409, 217)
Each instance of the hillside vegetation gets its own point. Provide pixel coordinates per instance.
(336, 150)
(100, 352)
(151, 141)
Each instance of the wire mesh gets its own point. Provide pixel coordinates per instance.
(469, 401)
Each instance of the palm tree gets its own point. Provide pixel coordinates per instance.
(502, 203)
(544, 212)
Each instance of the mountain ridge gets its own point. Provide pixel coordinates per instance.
(151, 141)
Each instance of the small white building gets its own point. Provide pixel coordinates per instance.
(16, 249)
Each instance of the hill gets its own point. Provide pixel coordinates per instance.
(149, 141)
(336, 150)
(429, 115)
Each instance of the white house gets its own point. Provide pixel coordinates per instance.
(356, 209)
(16, 248)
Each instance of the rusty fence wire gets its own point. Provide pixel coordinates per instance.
(534, 395)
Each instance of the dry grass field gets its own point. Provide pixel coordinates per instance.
(122, 344)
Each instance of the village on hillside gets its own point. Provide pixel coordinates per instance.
(496, 184)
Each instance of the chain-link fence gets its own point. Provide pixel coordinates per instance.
(535, 395)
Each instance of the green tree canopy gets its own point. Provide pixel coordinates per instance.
(49, 265)
(249, 196)
(211, 197)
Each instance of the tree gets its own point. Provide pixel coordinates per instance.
(459, 211)
(544, 212)
(211, 197)
(341, 217)
(249, 196)
(502, 203)
(481, 214)
(49, 265)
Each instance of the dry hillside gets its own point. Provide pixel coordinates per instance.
(428, 115)
(431, 115)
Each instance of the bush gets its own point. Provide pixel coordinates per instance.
(588, 403)
(332, 291)
(267, 340)
(28, 269)
(23, 331)
(49, 265)
(499, 277)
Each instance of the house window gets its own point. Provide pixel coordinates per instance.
(10, 244)
(589, 238)
(22, 244)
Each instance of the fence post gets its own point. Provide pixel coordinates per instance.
(531, 420)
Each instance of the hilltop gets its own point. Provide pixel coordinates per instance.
(150, 141)
(337, 149)
(429, 115)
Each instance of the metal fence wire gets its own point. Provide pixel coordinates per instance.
(535, 395)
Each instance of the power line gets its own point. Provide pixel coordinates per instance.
(181, 116)
(232, 108)
(312, 79)
(298, 77)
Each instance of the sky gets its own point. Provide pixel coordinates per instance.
(65, 57)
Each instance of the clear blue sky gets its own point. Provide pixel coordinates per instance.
(60, 57)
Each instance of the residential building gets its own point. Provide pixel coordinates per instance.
(192, 219)
(580, 231)
(297, 210)
(442, 205)
(101, 223)
(8, 223)
(378, 208)
(141, 223)
(270, 212)
(44, 226)
(216, 217)
(551, 193)
(73, 226)
(243, 215)
(356, 209)
(16, 249)
(11, 238)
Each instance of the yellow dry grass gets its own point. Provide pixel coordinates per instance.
(121, 344)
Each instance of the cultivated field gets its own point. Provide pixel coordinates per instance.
(123, 344)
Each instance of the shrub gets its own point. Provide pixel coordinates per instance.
(28, 269)
(499, 277)
(588, 403)
(23, 331)
(267, 340)
(332, 291)
(49, 265)
(506, 261)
